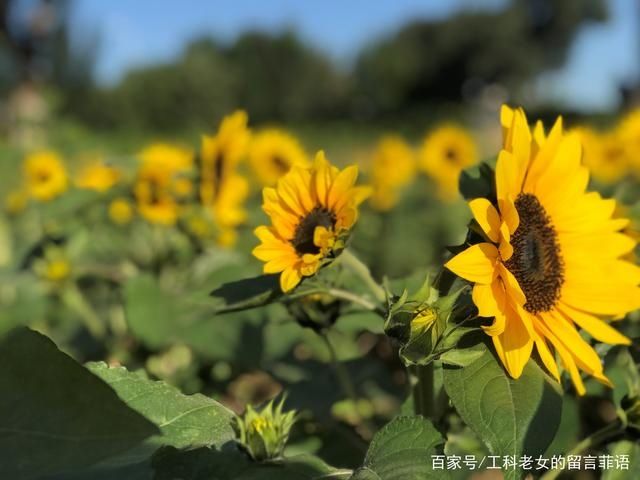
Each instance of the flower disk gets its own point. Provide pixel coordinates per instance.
(312, 211)
(553, 259)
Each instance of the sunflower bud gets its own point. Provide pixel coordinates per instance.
(316, 311)
(418, 321)
(264, 433)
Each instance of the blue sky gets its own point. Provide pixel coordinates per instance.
(135, 32)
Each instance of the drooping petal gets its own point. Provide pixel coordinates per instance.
(595, 327)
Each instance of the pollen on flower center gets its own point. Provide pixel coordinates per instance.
(536, 261)
(303, 236)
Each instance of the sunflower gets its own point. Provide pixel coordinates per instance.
(222, 189)
(312, 211)
(273, 152)
(605, 154)
(445, 152)
(160, 182)
(97, 176)
(46, 176)
(392, 167)
(551, 262)
(629, 131)
(120, 211)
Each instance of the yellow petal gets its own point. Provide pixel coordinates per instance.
(546, 356)
(508, 176)
(339, 193)
(489, 299)
(278, 264)
(567, 359)
(476, 263)
(487, 217)
(516, 345)
(595, 327)
(289, 279)
(512, 287)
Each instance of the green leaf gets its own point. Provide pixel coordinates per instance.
(232, 464)
(403, 450)
(477, 181)
(512, 417)
(247, 293)
(184, 420)
(632, 450)
(160, 319)
(58, 417)
(463, 346)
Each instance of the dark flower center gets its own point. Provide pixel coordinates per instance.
(43, 176)
(536, 262)
(280, 163)
(303, 236)
(451, 155)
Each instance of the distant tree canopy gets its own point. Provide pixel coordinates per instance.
(277, 77)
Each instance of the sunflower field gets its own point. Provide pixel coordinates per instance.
(253, 263)
(246, 308)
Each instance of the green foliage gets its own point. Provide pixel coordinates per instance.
(59, 416)
(512, 417)
(402, 450)
(183, 420)
(247, 293)
(231, 464)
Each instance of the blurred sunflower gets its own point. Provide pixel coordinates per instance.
(605, 154)
(160, 180)
(98, 176)
(552, 259)
(312, 211)
(120, 211)
(629, 131)
(46, 176)
(222, 189)
(272, 153)
(392, 168)
(445, 152)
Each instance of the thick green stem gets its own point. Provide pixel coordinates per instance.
(356, 266)
(594, 440)
(424, 398)
(423, 394)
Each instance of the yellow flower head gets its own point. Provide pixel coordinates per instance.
(98, 176)
(120, 211)
(552, 259)
(444, 154)
(54, 267)
(629, 133)
(222, 189)
(272, 153)
(161, 177)
(393, 167)
(605, 154)
(46, 176)
(312, 211)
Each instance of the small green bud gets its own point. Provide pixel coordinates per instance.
(418, 321)
(264, 433)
